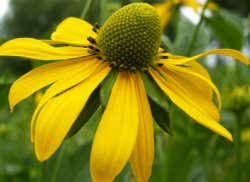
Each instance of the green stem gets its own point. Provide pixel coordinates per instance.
(196, 30)
(58, 163)
(209, 155)
(42, 176)
(86, 8)
(237, 145)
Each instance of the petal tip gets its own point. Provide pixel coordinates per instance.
(11, 105)
(228, 136)
(41, 155)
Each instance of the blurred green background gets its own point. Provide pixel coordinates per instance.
(193, 153)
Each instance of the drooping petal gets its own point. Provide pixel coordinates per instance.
(65, 83)
(73, 31)
(187, 81)
(199, 69)
(179, 60)
(36, 49)
(203, 84)
(183, 93)
(41, 77)
(143, 154)
(59, 113)
(117, 132)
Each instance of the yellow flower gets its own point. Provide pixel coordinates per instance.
(128, 42)
(245, 135)
(165, 9)
(238, 99)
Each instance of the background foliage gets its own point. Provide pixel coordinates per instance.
(192, 154)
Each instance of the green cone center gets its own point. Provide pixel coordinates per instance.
(130, 38)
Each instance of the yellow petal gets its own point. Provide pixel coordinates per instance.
(189, 100)
(205, 88)
(195, 67)
(41, 77)
(59, 113)
(187, 82)
(51, 42)
(36, 49)
(179, 60)
(143, 154)
(70, 80)
(193, 78)
(116, 134)
(73, 31)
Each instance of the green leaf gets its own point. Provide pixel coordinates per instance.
(76, 165)
(161, 116)
(3, 40)
(89, 109)
(158, 103)
(68, 166)
(4, 90)
(154, 92)
(106, 87)
(179, 160)
(227, 27)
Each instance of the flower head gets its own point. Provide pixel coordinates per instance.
(237, 99)
(85, 55)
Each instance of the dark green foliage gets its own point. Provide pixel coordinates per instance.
(159, 103)
(228, 28)
(34, 18)
(106, 88)
(89, 109)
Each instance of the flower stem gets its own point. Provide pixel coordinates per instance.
(42, 175)
(85, 9)
(237, 145)
(58, 163)
(196, 30)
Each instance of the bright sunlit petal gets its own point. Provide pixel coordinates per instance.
(80, 74)
(196, 79)
(227, 52)
(199, 69)
(185, 97)
(188, 84)
(36, 49)
(117, 132)
(59, 113)
(73, 31)
(143, 154)
(41, 77)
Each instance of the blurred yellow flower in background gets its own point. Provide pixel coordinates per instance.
(237, 98)
(245, 135)
(165, 9)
